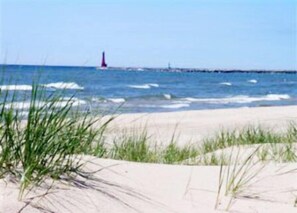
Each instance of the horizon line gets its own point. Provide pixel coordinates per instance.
(162, 68)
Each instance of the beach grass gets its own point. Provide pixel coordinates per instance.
(134, 147)
(139, 147)
(276, 146)
(234, 179)
(270, 145)
(247, 136)
(174, 154)
(42, 142)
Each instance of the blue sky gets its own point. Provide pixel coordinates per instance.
(244, 34)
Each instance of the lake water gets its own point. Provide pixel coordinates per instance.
(153, 90)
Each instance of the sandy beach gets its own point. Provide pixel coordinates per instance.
(121, 186)
(193, 126)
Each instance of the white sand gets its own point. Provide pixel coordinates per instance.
(138, 187)
(164, 188)
(193, 126)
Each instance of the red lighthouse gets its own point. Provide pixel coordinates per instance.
(103, 64)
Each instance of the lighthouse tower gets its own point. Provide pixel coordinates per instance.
(103, 64)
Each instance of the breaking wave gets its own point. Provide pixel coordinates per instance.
(63, 85)
(167, 96)
(113, 100)
(240, 99)
(99, 100)
(57, 85)
(253, 81)
(16, 87)
(74, 101)
(175, 106)
(61, 103)
(144, 86)
(226, 83)
(117, 100)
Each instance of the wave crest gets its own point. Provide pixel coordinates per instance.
(167, 96)
(144, 86)
(117, 100)
(240, 99)
(16, 87)
(226, 83)
(175, 106)
(63, 85)
(57, 85)
(253, 81)
(59, 104)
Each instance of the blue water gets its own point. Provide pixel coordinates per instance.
(155, 91)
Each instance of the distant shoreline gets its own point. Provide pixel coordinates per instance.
(141, 69)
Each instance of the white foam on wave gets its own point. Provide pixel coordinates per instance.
(240, 99)
(57, 85)
(63, 85)
(140, 86)
(278, 96)
(184, 101)
(153, 85)
(144, 86)
(99, 100)
(253, 81)
(113, 100)
(20, 105)
(59, 104)
(167, 96)
(73, 101)
(226, 83)
(16, 87)
(175, 106)
(117, 100)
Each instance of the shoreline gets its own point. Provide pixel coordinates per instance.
(195, 125)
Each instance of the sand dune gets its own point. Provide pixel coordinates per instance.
(139, 187)
(120, 186)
